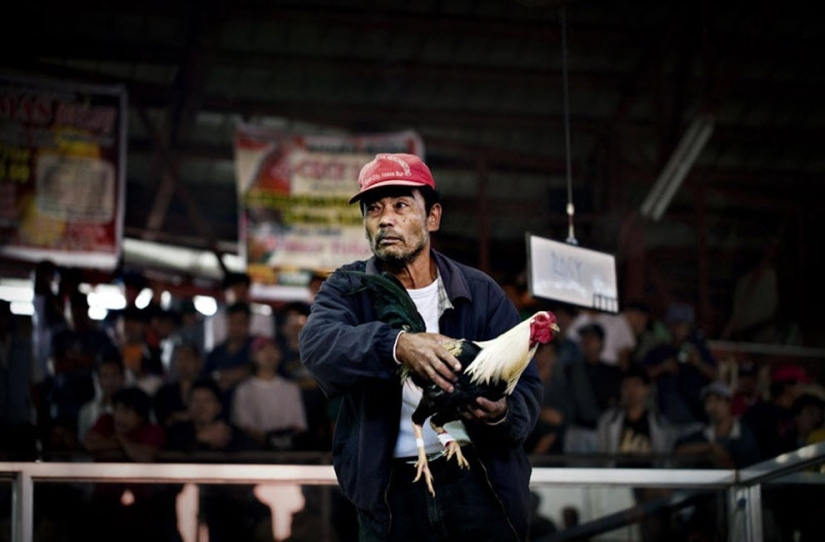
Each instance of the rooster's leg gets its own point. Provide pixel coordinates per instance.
(451, 445)
(422, 464)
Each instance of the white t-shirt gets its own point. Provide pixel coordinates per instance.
(426, 300)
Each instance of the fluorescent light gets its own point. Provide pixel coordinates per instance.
(678, 166)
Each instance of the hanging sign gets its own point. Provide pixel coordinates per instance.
(572, 274)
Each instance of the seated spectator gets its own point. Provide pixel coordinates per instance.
(231, 512)
(71, 385)
(163, 328)
(19, 434)
(266, 406)
(291, 320)
(141, 360)
(632, 429)
(190, 329)
(228, 363)
(122, 511)
(109, 378)
(619, 339)
(170, 402)
(547, 437)
(648, 331)
(747, 391)
(126, 433)
(724, 442)
(205, 428)
(680, 369)
(809, 416)
(569, 350)
(236, 290)
(772, 421)
(594, 387)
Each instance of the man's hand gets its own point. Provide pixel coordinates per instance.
(424, 355)
(489, 411)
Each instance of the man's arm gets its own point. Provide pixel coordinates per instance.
(338, 347)
(522, 407)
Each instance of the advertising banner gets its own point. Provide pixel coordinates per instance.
(293, 192)
(62, 171)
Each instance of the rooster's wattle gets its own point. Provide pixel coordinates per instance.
(490, 369)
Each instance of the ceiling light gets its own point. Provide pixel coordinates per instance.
(678, 166)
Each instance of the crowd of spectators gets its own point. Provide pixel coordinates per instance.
(163, 383)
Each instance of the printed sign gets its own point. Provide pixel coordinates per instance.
(572, 274)
(62, 171)
(294, 191)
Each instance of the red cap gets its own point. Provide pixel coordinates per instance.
(791, 372)
(397, 169)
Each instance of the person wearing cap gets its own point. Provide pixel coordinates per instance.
(773, 421)
(681, 368)
(724, 441)
(595, 387)
(747, 391)
(355, 356)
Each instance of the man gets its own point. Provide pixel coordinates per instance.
(725, 442)
(722, 443)
(110, 376)
(632, 428)
(236, 290)
(595, 385)
(681, 368)
(355, 356)
(772, 421)
(228, 362)
(634, 431)
(747, 391)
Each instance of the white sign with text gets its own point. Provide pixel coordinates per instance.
(572, 274)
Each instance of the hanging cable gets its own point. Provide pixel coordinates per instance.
(571, 235)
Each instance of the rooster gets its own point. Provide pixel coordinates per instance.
(489, 369)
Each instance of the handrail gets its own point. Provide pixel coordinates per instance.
(784, 468)
(803, 458)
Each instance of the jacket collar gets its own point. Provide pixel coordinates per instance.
(454, 282)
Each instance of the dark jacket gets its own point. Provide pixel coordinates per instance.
(351, 354)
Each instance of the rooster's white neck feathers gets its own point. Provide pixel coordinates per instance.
(503, 358)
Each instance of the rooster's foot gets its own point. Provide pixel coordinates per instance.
(454, 449)
(422, 466)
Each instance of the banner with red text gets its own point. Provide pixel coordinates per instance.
(62, 171)
(294, 191)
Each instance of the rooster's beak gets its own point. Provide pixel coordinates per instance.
(555, 328)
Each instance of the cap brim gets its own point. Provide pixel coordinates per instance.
(384, 184)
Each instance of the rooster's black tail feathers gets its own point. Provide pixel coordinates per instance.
(393, 304)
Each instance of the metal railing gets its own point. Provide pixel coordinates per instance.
(743, 486)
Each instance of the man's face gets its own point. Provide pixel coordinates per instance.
(110, 377)
(717, 408)
(591, 346)
(237, 326)
(634, 391)
(126, 419)
(204, 407)
(398, 226)
(188, 363)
